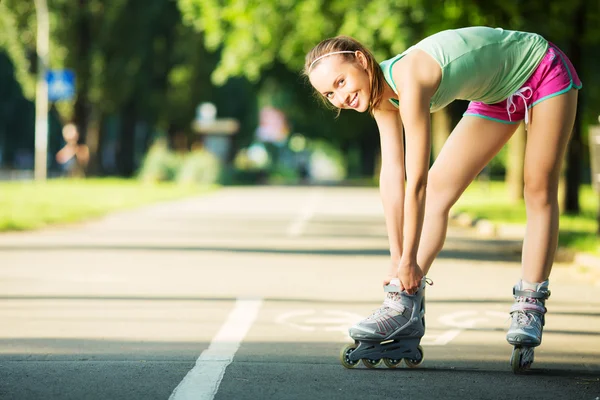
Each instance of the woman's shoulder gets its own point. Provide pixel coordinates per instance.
(417, 67)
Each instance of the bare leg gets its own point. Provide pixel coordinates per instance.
(547, 137)
(472, 144)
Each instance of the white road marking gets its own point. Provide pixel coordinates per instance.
(469, 318)
(202, 381)
(441, 339)
(297, 226)
(312, 320)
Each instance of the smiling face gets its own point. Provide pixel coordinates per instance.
(344, 83)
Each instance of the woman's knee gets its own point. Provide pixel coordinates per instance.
(540, 191)
(440, 198)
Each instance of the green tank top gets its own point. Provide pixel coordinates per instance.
(478, 63)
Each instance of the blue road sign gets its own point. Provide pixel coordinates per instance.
(61, 84)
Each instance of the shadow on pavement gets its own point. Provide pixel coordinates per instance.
(470, 255)
(275, 370)
(507, 302)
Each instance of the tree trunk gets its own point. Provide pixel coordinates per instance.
(515, 164)
(82, 70)
(94, 143)
(574, 151)
(126, 152)
(369, 152)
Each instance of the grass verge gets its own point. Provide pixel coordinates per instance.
(26, 205)
(490, 200)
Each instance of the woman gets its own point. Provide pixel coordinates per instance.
(508, 76)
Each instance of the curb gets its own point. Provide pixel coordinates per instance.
(488, 229)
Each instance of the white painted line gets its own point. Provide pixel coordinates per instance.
(469, 318)
(313, 320)
(441, 339)
(297, 226)
(202, 381)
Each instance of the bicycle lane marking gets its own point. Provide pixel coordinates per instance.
(313, 320)
(203, 380)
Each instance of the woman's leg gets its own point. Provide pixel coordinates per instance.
(472, 144)
(547, 137)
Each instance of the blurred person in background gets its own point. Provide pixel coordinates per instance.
(73, 157)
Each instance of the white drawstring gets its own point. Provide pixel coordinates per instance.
(511, 107)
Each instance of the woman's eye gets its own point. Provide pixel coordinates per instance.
(341, 82)
(329, 95)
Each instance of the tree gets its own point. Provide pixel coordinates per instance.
(135, 63)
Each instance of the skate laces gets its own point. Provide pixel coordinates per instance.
(526, 315)
(392, 302)
(523, 318)
(394, 305)
(388, 304)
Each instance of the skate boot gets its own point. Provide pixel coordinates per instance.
(392, 333)
(527, 323)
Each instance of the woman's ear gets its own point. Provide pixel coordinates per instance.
(362, 59)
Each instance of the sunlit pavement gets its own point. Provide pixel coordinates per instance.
(127, 307)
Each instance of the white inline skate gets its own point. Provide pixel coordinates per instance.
(525, 332)
(392, 333)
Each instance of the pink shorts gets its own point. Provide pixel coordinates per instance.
(555, 75)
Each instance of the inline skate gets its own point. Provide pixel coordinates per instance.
(392, 333)
(527, 323)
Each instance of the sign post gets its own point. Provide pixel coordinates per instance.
(41, 95)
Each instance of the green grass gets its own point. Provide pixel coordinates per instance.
(490, 200)
(26, 205)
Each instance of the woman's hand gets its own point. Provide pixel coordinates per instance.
(409, 274)
(392, 274)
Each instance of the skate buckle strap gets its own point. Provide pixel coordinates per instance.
(391, 288)
(394, 285)
(526, 306)
(530, 294)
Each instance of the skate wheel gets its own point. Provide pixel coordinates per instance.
(515, 360)
(412, 363)
(521, 359)
(344, 356)
(391, 363)
(370, 363)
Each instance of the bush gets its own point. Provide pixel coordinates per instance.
(160, 164)
(283, 175)
(235, 176)
(497, 166)
(327, 163)
(199, 166)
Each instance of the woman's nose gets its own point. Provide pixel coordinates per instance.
(341, 99)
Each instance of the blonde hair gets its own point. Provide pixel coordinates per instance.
(345, 46)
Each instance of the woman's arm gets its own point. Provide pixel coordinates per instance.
(418, 76)
(414, 109)
(391, 180)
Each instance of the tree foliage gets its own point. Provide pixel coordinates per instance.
(141, 63)
(255, 35)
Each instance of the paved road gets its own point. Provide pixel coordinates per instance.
(247, 293)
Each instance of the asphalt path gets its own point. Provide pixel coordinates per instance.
(247, 293)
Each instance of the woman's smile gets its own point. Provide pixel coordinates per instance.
(354, 101)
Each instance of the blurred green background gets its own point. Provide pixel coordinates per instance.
(143, 68)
